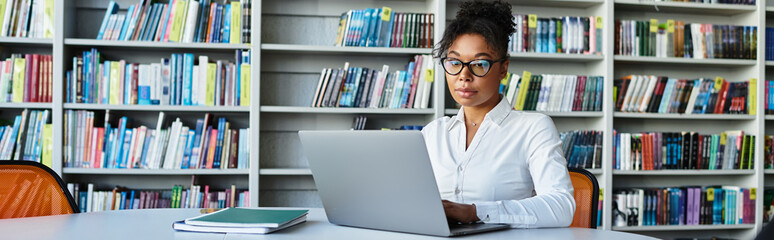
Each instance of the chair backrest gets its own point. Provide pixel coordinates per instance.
(586, 198)
(29, 189)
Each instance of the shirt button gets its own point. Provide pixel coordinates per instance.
(459, 168)
(457, 191)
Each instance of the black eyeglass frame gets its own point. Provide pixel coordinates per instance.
(467, 64)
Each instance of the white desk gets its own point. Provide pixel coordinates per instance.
(147, 224)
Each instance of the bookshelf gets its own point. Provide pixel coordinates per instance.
(293, 42)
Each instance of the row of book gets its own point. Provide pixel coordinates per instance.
(690, 205)
(90, 199)
(573, 35)
(29, 138)
(206, 21)
(381, 27)
(216, 146)
(582, 149)
(27, 78)
(684, 40)
(173, 81)
(659, 94)
(371, 88)
(27, 18)
(683, 150)
(553, 93)
(768, 151)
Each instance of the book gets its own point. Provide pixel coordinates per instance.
(182, 226)
(244, 217)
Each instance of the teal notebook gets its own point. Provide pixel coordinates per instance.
(246, 217)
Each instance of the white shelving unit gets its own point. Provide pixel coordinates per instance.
(286, 63)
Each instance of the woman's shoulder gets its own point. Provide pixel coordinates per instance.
(521, 118)
(438, 122)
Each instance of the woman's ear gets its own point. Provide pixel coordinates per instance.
(504, 70)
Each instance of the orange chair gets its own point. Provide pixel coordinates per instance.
(586, 198)
(29, 189)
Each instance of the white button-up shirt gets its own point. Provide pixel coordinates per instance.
(513, 170)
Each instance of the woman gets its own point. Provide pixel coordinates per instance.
(493, 164)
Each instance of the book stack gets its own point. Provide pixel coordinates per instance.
(582, 149)
(573, 35)
(684, 40)
(26, 78)
(655, 94)
(27, 18)
(120, 198)
(381, 27)
(243, 220)
(205, 21)
(683, 150)
(371, 88)
(738, 2)
(30, 138)
(172, 81)
(219, 146)
(689, 205)
(553, 93)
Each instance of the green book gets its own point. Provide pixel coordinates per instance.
(246, 217)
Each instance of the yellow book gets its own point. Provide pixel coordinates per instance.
(18, 80)
(177, 22)
(245, 88)
(48, 18)
(522, 94)
(115, 83)
(47, 144)
(210, 101)
(2, 11)
(236, 23)
(752, 96)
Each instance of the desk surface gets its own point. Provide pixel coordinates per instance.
(149, 224)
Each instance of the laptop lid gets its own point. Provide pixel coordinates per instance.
(376, 179)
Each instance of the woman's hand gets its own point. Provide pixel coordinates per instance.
(464, 213)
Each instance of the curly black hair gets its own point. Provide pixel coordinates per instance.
(491, 20)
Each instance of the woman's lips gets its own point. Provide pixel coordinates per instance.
(465, 92)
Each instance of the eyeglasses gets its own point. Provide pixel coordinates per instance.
(479, 67)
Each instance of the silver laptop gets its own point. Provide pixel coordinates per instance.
(380, 180)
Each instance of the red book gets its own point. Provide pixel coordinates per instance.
(721, 98)
(135, 73)
(577, 104)
(211, 150)
(205, 203)
(32, 63)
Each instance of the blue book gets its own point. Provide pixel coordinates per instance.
(68, 87)
(163, 24)
(125, 149)
(407, 85)
(352, 97)
(172, 80)
(188, 62)
(153, 21)
(118, 148)
(122, 201)
(127, 84)
(106, 84)
(179, 79)
(219, 142)
(238, 78)
(187, 150)
(111, 9)
(146, 21)
(218, 24)
(85, 71)
(539, 36)
(376, 26)
(145, 147)
(131, 200)
(367, 15)
(127, 20)
(226, 23)
(82, 201)
(385, 34)
(195, 148)
(552, 35)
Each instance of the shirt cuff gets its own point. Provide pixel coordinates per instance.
(486, 211)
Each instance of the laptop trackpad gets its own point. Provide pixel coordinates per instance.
(464, 229)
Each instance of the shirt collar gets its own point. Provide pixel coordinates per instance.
(496, 115)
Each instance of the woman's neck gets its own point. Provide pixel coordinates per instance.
(476, 114)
